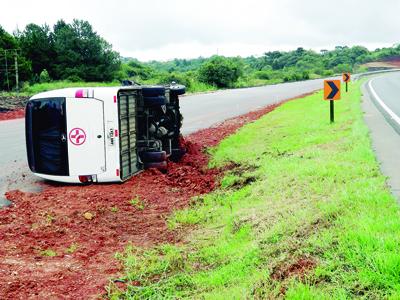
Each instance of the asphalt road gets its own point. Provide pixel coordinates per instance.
(382, 115)
(203, 110)
(12, 139)
(199, 111)
(386, 89)
(14, 172)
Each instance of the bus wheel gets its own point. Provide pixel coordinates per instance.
(177, 154)
(177, 89)
(153, 156)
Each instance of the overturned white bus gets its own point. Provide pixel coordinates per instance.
(103, 134)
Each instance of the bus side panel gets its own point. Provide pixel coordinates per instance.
(127, 112)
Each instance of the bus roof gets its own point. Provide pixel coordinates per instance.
(97, 92)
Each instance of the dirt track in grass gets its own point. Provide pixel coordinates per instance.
(60, 243)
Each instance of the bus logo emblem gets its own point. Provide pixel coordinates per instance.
(77, 136)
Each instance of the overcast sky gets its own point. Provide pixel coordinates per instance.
(155, 29)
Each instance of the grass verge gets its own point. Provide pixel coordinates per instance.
(30, 90)
(305, 215)
(192, 85)
(43, 87)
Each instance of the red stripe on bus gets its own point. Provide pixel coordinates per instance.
(116, 133)
(117, 172)
(115, 99)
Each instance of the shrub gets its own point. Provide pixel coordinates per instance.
(305, 75)
(318, 71)
(342, 68)
(73, 78)
(266, 75)
(292, 76)
(178, 78)
(220, 71)
(134, 69)
(44, 76)
(327, 73)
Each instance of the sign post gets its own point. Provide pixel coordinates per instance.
(332, 93)
(346, 79)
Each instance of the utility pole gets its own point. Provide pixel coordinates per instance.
(8, 82)
(16, 70)
(10, 68)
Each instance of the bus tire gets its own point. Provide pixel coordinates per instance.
(153, 156)
(177, 154)
(177, 89)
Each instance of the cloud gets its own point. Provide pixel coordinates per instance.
(156, 29)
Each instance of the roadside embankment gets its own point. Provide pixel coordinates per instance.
(12, 107)
(62, 240)
(302, 212)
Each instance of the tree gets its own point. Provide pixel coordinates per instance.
(37, 45)
(300, 51)
(220, 71)
(9, 49)
(81, 52)
(7, 41)
(271, 58)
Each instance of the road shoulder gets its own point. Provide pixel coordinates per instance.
(385, 141)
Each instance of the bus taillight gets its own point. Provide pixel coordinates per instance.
(86, 178)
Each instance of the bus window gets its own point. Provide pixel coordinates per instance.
(47, 145)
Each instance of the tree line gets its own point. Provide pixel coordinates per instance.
(75, 52)
(271, 67)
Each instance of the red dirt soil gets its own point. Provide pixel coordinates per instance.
(99, 220)
(298, 269)
(12, 114)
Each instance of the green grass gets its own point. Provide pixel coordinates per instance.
(30, 90)
(72, 248)
(305, 190)
(194, 86)
(42, 87)
(48, 252)
(197, 87)
(137, 203)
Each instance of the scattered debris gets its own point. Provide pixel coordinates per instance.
(88, 216)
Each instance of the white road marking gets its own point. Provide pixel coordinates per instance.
(381, 103)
